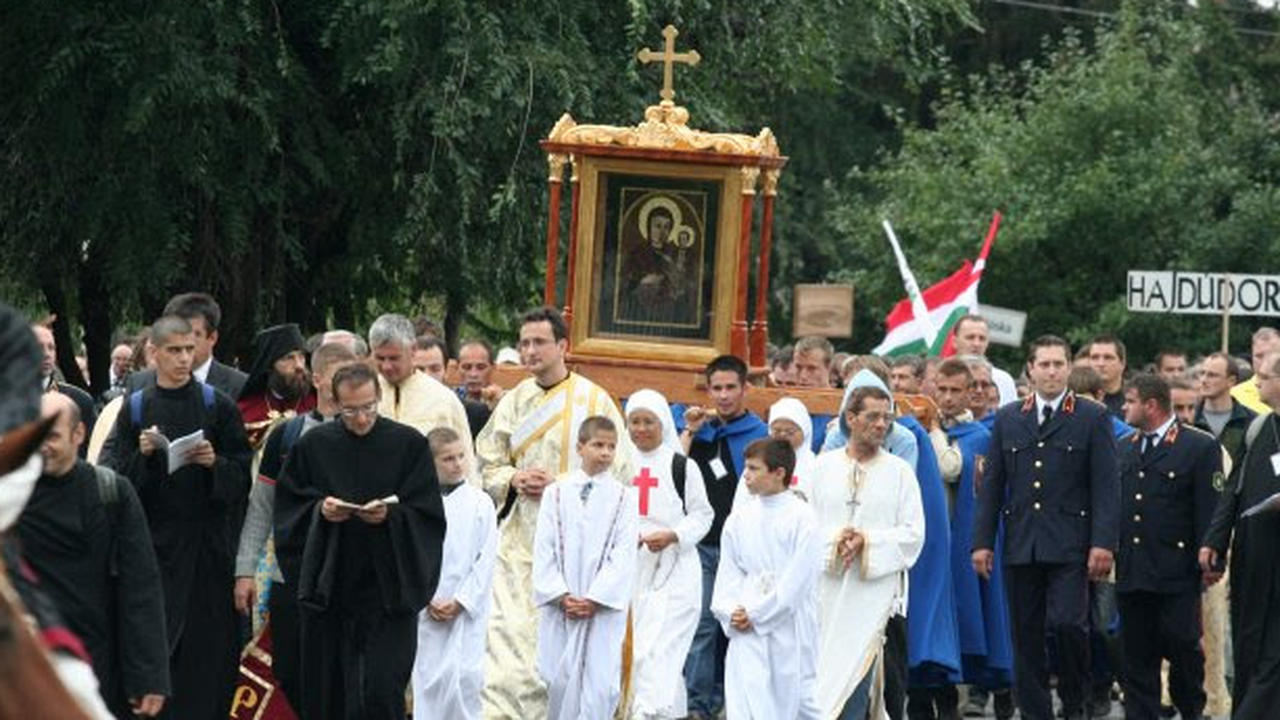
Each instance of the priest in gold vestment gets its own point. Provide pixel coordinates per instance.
(527, 444)
(409, 396)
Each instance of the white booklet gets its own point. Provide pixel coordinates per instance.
(388, 500)
(177, 449)
(1271, 504)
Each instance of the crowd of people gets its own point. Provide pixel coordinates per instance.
(955, 540)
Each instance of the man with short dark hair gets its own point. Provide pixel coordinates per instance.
(906, 374)
(1171, 363)
(1107, 357)
(1219, 411)
(526, 445)
(94, 557)
(476, 391)
(1182, 393)
(1053, 488)
(1168, 473)
(359, 530)
(430, 356)
(715, 439)
(193, 505)
(204, 315)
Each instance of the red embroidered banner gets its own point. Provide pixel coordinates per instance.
(256, 696)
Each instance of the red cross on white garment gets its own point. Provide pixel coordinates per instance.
(795, 480)
(644, 481)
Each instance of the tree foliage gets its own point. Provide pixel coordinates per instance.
(319, 162)
(1151, 148)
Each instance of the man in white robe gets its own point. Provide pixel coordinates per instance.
(869, 514)
(527, 443)
(448, 670)
(410, 396)
(668, 596)
(769, 559)
(584, 565)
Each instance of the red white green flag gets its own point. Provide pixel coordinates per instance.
(942, 304)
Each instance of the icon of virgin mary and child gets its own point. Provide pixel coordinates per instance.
(660, 277)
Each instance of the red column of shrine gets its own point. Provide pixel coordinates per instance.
(554, 181)
(738, 331)
(760, 326)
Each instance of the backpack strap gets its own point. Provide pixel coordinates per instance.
(291, 431)
(679, 469)
(135, 408)
(109, 495)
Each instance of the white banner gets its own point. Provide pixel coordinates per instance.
(1200, 293)
(1004, 325)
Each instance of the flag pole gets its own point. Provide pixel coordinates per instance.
(918, 309)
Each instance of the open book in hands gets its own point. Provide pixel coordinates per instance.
(178, 451)
(388, 500)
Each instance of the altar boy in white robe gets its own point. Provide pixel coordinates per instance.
(584, 567)
(869, 515)
(769, 562)
(674, 515)
(448, 671)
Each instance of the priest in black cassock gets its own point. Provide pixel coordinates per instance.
(1255, 574)
(194, 514)
(362, 575)
(93, 554)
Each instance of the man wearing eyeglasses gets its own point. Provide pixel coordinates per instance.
(359, 530)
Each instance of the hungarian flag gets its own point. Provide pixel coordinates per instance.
(945, 302)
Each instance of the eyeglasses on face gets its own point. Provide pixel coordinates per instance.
(350, 412)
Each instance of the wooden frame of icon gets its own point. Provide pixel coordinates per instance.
(657, 259)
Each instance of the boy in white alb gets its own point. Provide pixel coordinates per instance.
(769, 562)
(448, 671)
(584, 566)
(674, 515)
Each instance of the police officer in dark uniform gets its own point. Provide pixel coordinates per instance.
(1051, 479)
(1170, 475)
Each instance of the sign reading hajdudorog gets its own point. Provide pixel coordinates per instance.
(1202, 293)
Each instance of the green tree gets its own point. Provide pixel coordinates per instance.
(1153, 149)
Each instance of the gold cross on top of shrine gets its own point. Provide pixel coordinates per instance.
(668, 57)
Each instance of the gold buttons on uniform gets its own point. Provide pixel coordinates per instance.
(1039, 464)
(1137, 496)
(1141, 474)
(1040, 444)
(1137, 518)
(1036, 484)
(1137, 541)
(1036, 506)
(1181, 545)
(1172, 475)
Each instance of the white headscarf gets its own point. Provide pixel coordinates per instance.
(789, 408)
(654, 402)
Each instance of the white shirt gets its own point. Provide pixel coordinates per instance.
(202, 373)
(1054, 403)
(1164, 428)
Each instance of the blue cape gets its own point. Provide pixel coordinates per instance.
(986, 646)
(933, 639)
(738, 434)
(1120, 428)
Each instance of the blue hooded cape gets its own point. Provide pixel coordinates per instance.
(738, 434)
(986, 646)
(933, 643)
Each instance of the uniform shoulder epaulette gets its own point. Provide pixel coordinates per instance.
(1202, 431)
